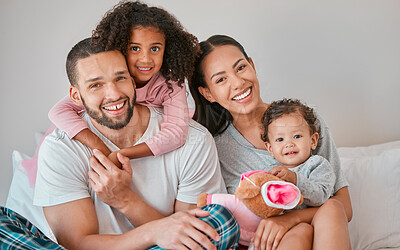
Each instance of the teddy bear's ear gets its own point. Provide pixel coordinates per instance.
(247, 191)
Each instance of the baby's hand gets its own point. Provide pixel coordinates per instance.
(114, 159)
(284, 173)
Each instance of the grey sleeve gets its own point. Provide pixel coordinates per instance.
(327, 149)
(316, 180)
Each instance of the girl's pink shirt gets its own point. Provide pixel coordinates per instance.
(175, 121)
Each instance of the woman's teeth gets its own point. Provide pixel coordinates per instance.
(140, 68)
(240, 97)
(115, 107)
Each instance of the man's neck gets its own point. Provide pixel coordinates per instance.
(131, 133)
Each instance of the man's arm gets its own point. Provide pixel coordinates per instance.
(183, 206)
(113, 186)
(75, 226)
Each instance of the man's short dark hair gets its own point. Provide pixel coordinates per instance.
(81, 50)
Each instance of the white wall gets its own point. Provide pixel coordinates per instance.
(340, 56)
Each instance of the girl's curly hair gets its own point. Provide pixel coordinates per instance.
(181, 48)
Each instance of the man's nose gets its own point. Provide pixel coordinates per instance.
(112, 91)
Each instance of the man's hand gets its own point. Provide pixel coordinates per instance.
(110, 183)
(185, 231)
(284, 173)
(113, 186)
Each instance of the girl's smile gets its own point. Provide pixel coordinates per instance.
(145, 53)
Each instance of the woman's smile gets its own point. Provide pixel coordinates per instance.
(243, 96)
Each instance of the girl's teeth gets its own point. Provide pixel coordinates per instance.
(143, 68)
(245, 94)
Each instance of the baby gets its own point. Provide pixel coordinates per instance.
(291, 132)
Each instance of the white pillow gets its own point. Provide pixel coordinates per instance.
(373, 174)
(20, 196)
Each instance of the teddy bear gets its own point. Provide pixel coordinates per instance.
(259, 195)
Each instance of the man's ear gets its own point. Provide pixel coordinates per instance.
(75, 96)
(252, 63)
(269, 148)
(314, 140)
(205, 92)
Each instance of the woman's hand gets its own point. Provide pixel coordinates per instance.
(270, 232)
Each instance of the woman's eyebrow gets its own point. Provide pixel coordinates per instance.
(222, 72)
(237, 62)
(216, 74)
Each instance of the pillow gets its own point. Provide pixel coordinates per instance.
(20, 196)
(373, 174)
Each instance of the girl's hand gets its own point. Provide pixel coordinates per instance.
(113, 157)
(270, 232)
(284, 173)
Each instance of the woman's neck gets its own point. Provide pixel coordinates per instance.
(250, 127)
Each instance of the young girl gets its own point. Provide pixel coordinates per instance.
(290, 134)
(160, 54)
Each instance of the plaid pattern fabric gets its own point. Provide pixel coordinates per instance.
(223, 221)
(16, 232)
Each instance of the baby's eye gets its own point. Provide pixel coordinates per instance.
(155, 49)
(279, 140)
(121, 78)
(297, 136)
(135, 48)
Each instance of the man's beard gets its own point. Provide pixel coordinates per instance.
(101, 117)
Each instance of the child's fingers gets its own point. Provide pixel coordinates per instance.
(125, 161)
(107, 163)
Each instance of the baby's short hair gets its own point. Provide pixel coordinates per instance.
(288, 106)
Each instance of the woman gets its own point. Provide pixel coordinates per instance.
(227, 96)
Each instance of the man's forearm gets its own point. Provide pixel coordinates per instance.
(137, 211)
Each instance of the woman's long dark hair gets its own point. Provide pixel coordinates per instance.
(211, 115)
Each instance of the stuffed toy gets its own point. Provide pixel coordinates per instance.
(259, 195)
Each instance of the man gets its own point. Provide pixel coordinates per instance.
(134, 216)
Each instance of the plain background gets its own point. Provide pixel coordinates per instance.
(341, 57)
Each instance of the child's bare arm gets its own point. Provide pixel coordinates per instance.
(137, 151)
(87, 137)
